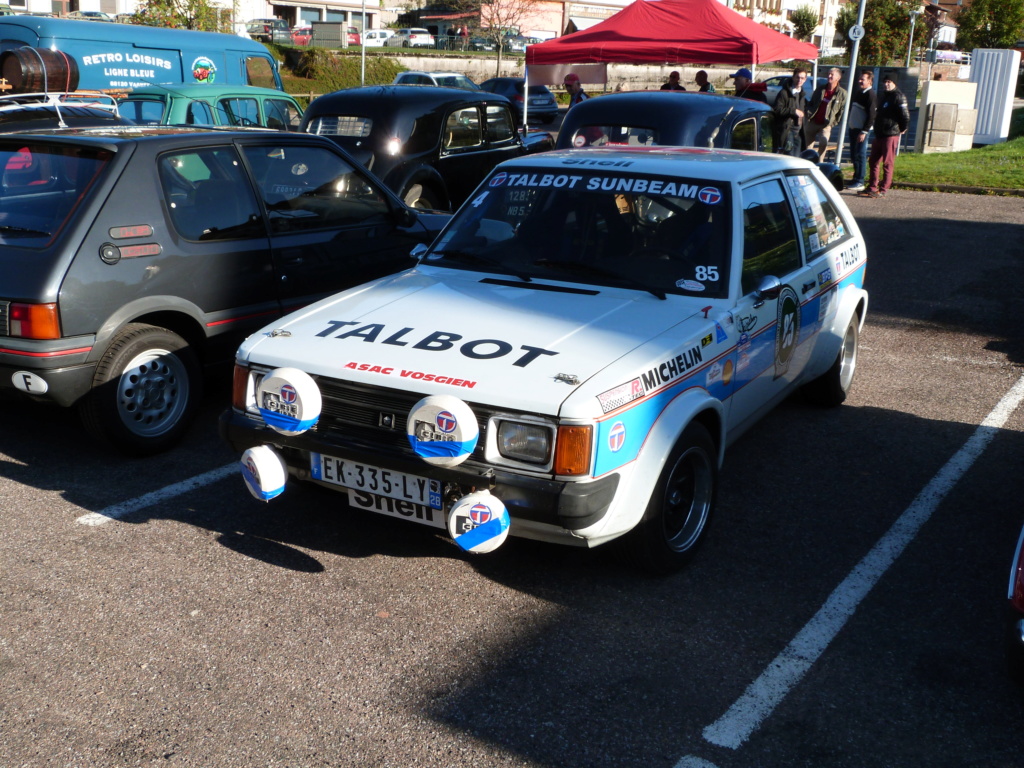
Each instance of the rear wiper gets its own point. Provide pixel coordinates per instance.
(476, 257)
(580, 266)
(23, 231)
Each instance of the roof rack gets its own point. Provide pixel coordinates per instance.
(92, 99)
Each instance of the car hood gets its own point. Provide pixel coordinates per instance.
(486, 338)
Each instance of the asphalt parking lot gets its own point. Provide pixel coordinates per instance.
(845, 611)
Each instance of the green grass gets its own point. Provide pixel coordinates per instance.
(997, 166)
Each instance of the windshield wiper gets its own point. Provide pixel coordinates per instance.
(580, 266)
(476, 257)
(23, 231)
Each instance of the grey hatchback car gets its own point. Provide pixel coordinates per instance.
(130, 257)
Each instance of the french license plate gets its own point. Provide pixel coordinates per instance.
(386, 491)
(535, 102)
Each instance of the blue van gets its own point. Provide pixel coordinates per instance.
(46, 54)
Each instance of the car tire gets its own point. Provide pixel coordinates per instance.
(676, 520)
(831, 389)
(145, 391)
(422, 197)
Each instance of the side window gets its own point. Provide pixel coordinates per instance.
(462, 129)
(239, 111)
(259, 72)
(744, 135)
(311, 187)
(499, 124)
(141, 112)
(282, 115)
(208, 194)
(767, 133)
(820, 222)
(199, 113)
(769, 234)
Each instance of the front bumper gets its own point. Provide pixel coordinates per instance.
(571, 506)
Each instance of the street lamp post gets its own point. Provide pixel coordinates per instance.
(910, 45)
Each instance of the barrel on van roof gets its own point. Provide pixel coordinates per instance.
(125, 56)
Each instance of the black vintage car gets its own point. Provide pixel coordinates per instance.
(432, 146)
(130, 257)
(671, 118)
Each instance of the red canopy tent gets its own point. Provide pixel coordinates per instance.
(672, 31)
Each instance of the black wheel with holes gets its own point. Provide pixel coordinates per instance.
(677, 516)
(145, 391)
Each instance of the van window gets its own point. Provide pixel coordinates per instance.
(259, 72)
(208, 194)
(41, 186)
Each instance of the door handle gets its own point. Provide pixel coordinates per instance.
(809, 286)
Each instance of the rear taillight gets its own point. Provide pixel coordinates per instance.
(34, 321)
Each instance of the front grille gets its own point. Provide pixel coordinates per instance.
(351, 413)
(5, 324)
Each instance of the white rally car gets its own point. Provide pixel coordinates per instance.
(570, 358)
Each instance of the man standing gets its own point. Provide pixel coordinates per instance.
(824, 111)
(790, 108)
(746, 88)
(574, 88)
(673, 83)
(702, 82)
(892, 118)
(862, 117)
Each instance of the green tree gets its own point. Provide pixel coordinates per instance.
(178, 14)
(805, 21)
(886, 30)
(990, 24)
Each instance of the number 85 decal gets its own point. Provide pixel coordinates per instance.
(706, 274)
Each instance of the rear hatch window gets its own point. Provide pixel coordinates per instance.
(41, 188)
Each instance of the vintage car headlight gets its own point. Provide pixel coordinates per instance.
(393, 146)
(524, 442)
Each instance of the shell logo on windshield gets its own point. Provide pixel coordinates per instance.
(204, 70)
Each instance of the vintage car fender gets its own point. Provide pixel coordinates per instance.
(850, 302)
(400, 179)
(640, 477)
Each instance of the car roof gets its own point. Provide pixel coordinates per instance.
(114, 136)
(403, 98)
(199, 90)
(722, 165)
(634, 106)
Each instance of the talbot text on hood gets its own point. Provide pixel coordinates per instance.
(435, 341)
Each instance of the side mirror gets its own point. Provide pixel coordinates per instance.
(407, 216)
(418, 250)
(768, 290)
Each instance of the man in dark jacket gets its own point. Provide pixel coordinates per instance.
(790, 108)
(862, 117)
(892, 118)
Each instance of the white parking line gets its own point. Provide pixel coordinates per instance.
(125, 508)
(768, 690)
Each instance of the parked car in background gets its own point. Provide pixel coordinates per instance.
(302, 34)
(269, 30)
(130, 257)
(89, 16)
(443, 79)
(376, 38)
(774, 86)
(542, 106)
(666, 118)
(517, 43)
(482, 44)
(430, 145)
(411, 37)
(237, 105)
(571, 359)
(44, 111)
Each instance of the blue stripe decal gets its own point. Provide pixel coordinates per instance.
(439, 448)
(477, 536)
(288, 423)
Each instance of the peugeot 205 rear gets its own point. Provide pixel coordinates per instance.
(569, 359)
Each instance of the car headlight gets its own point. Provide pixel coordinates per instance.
(530, 443)
(393, 146)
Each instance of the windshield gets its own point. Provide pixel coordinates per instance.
(41, 186)
(659, 234)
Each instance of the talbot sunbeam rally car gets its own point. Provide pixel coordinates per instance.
(570, 358)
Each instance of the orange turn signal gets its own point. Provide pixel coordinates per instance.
(239, 386)
(572, 452)
(34, 321)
